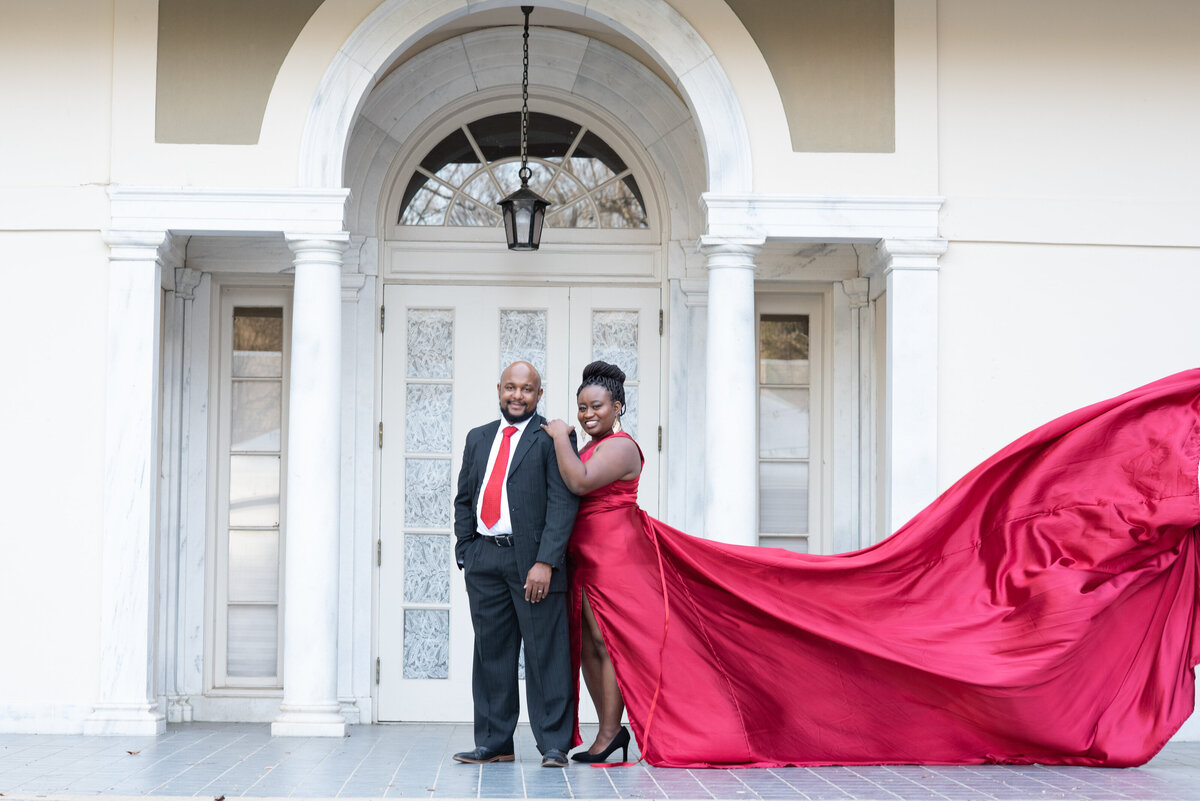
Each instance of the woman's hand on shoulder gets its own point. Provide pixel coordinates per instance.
(557, 428)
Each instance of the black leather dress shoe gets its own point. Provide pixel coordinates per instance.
(554, 759)
(481, 756)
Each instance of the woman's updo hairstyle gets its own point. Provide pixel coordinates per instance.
(608, 376)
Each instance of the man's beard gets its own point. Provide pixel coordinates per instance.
(530, 411)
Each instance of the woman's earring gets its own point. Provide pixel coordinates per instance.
(617, 422)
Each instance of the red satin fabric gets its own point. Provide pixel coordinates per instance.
(1043, 609)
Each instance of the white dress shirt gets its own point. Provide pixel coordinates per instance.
(504, 524)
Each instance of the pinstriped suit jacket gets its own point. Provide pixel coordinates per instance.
(540, 506)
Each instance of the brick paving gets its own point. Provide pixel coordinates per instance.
(211, 760)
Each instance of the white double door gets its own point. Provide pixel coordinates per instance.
(443, 350)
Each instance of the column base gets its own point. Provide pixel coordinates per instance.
(140, 720)
(309, 721)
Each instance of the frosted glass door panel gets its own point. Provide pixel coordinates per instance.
(621, 326)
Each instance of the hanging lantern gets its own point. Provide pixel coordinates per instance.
(524, 211)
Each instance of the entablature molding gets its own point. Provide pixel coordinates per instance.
(822, 218)
(492, 261)
(199, 210)
(902, 254)
(142, 244)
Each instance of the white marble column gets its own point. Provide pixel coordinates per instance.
(731, 430)
(126, 703)
(909, 271)
(310, 622)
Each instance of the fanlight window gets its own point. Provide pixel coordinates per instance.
(461, 181)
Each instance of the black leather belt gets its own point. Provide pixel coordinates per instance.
(501, 540)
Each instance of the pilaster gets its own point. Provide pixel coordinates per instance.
(173, 529)
(126, 702)
(907, 271)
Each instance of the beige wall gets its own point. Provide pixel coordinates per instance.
(121, 110)
(778, 169)
(217, 62)
(138, 159)
(834, 67)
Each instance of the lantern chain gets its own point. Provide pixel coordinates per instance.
(525, 173)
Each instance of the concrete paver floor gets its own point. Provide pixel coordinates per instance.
(210, 760)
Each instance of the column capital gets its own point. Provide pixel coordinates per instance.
(352, 284)
(301, 242)
(358, 259)
(857, 291)
(903, 254)
(726, 251)
(695, 291)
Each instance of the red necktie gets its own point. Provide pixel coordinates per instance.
(489, 513)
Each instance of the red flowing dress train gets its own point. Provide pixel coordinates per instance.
(1042, 610)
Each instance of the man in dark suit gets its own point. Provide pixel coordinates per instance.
(512, 519)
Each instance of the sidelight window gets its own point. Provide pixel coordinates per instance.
(788, 421)
(252, 414)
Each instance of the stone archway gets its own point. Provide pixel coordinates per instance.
(579, 77)
(387, 33)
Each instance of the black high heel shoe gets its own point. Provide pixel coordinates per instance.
(620, 741)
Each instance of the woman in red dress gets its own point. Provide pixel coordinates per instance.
(1043, 609)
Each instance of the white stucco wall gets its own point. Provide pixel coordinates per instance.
(1067, 162)
(63, 102)
(1069, 122)
(1030, 332)
(51, 476)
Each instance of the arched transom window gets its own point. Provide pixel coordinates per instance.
(464, 177)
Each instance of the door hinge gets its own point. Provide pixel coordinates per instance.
(381, 315)
(381, 433)
(660, 322)
(660, 438)
(376, 670)
(379, 553)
